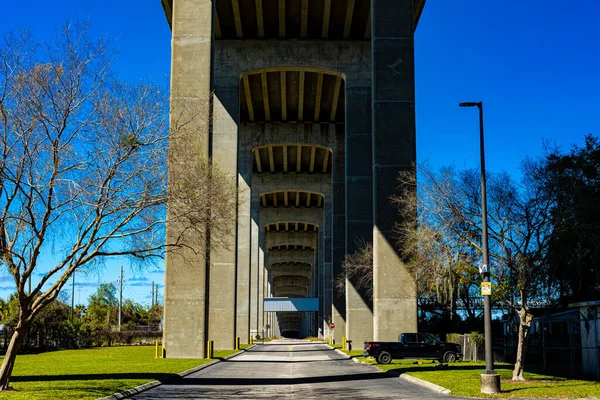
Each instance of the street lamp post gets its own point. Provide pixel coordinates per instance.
(490, 380)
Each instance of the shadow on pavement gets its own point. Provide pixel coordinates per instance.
(162, 377)
(278, 381)
(290, 351)
(282, 361)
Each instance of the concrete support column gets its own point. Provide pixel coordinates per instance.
(184, 333)
(359, 205)
(262, 271)
(223, 268)
(394, 149)
(327, 229)
(244, 239)
(254, 263)
(316, 290)
(339, 232)
(320, 272)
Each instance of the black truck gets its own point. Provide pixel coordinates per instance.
(413, 345)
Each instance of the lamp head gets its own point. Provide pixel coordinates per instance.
(470, 104)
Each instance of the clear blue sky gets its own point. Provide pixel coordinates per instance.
(535, 64)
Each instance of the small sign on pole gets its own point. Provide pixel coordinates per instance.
(332, 325)
(486, 288)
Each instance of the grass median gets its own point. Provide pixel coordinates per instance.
(462, 378)
(93, 373)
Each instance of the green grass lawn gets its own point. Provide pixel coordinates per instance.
(462, 378)
(92, 373)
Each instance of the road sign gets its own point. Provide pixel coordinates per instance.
(486, 288)
(332, 325)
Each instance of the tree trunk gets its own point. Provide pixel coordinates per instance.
(11, 355)
(524, 323)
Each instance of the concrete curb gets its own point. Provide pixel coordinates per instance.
(421, 382)
(146, 386)
(342, 353)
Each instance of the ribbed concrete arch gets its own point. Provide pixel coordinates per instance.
(267, 183)
(279, 239)
(292, 93)
(290, 256)
(293, 19)
(318, 70)
(287, 269)
(291, 226)
(292, 157)
(291, 198)
(312, 216)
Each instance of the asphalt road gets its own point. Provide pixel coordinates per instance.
(290, 369)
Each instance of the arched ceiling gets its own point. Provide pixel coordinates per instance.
(293, 19)
(291, 198)
(291, 226)
(291, 95)
(291, 247)
(292, 157)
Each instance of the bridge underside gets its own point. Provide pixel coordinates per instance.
(312, 106)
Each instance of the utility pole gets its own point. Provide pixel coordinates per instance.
(156, 295)
(73, 298)
(152, 296)
(120, 298)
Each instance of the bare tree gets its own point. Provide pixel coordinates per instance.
(442, 263)
(447, 234)
(358, 268)
(83, 170)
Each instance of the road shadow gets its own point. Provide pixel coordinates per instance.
(429, 367)
(290, 351)
(278, 381)
(161, 377)
(283, 361)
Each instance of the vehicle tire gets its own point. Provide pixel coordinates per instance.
(449, 356)
(384, 358)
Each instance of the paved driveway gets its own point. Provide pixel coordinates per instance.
(290, 369)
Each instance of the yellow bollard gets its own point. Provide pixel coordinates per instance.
(209, 349)
(343, 342)
(251, 341)
(237, 343)
(156, 353)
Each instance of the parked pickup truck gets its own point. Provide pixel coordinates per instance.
(413, 345)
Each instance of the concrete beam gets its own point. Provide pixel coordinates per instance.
(290, 280)
(290, 291)
(307, 239)
(314, 183)
(305, 215)
(269, 133)
(290, 256)
(352, 58)
(304, 270)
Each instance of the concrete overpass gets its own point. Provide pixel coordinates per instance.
(311, 106)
